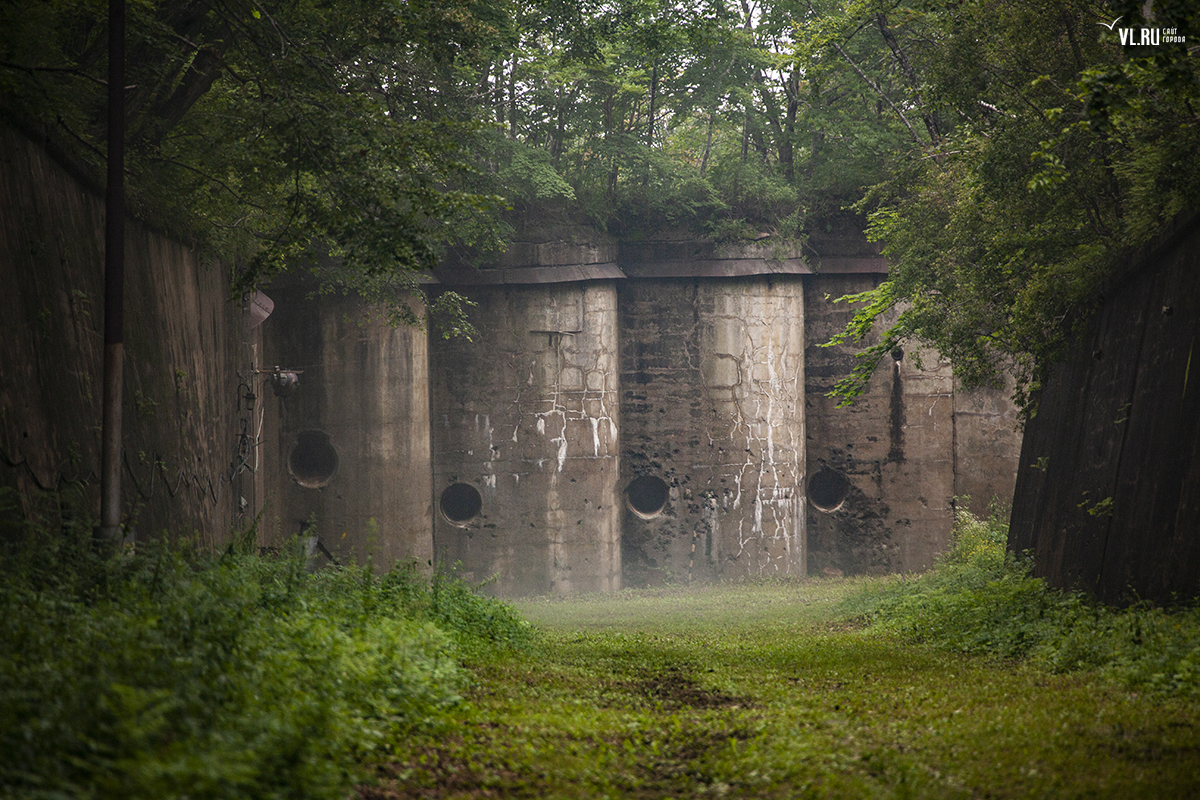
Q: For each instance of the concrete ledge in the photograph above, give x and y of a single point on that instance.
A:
(716, 268)
(741, 267)
(861, 265)
(466, 276)
(582, 254)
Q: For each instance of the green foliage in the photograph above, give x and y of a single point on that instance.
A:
(530, 175)
(276, 134)
(384, 132)
(166, 673)
(1058, 151)
(1006, 153)
(981, 599)
(879, 301)
(659, 115)
(978, 599)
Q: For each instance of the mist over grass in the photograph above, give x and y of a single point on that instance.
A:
(972, 680)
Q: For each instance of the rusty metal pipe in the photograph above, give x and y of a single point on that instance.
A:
(114, 283)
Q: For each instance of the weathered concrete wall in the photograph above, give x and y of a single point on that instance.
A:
(541, 254)
(883, 472)
(655, 410)
(525, 430)
(1108, 493)
(349, 448)
(184, 419)
(712, 407)
(987, 446)
(718, 452)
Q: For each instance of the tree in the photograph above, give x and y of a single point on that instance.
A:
(1056, 149)
(384, 130)
(646, 114)
(275, 132)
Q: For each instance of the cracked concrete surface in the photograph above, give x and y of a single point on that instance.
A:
(911, 444)
(712, 403)
(529, 416)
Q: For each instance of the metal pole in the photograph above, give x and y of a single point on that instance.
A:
(114, 282)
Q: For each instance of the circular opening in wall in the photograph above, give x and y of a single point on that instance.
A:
(827, 489)
(647, 495)
(313, 461)
(460, 503)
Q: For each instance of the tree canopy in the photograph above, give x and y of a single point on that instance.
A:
(1057, 150)
(1002, 152)
(273, 132)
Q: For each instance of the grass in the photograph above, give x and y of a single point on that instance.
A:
(824, 688)
(981, 599)
(169, 673)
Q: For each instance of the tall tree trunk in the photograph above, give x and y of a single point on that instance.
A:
(512, 99)
(784, 129)
(748, 27)
(899, 112)
(707, 145)
(746, 134)
(786, 152)
(498, 93)
(556, 147)
(928, 116)
(653, 98)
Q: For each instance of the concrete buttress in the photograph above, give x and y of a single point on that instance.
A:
(712, 405)
(526, 456)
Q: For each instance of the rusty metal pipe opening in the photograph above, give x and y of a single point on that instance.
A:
(313, 461)
(647, 496)
(460, 503)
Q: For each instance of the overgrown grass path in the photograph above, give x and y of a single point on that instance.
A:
(769, 691)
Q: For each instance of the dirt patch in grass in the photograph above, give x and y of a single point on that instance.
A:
(461, 767)
(675, 688)
(1170, 742)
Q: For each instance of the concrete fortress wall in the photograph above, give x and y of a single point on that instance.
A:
(526, 431)
(349, 448)
(209, 446)
(188, 449)
(627, 415)
(726, 460)
(884, 472)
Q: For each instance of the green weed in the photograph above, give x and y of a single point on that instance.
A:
(167, 673)
(766, 690)
(981, 599)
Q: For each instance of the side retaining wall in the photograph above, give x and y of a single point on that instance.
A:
(184, 417)
(1108, 492)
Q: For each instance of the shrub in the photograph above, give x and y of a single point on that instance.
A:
(981, 599)
(167, 673)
